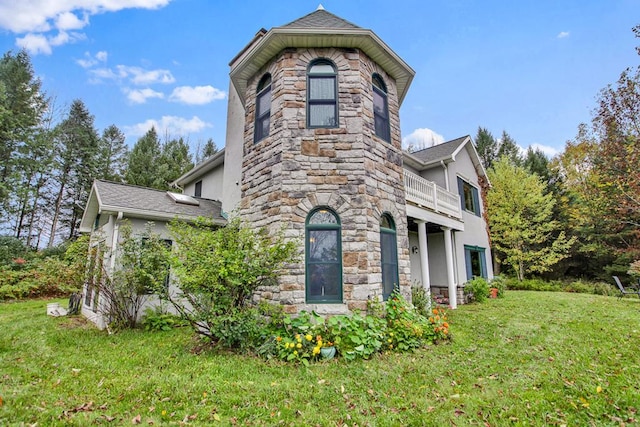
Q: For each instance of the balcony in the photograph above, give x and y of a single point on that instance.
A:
(427, 194)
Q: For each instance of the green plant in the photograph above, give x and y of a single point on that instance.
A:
(420, 300)
(500, 284)
(219, 269)
(477, 289)
(157, 319)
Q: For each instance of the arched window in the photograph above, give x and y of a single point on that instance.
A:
(389, 255)
(263, 108)
(381, 108)
(323, 256)
(322, 95)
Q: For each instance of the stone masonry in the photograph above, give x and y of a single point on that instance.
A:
(348, 169)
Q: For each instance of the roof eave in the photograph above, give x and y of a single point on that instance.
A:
(279, 38)
(200, 169)
(155, 215)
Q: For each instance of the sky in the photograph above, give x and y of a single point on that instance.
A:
(532, 68)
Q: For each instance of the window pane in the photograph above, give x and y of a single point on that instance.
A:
(264, 102)
(262, 128)
(389, 279)
(324, 280)
(385, 222)
(322, 68)
(382, 127)
(323, 245)
(476, 270)
(322, 115)
(379, 104)
(322, 88)
(323, 216)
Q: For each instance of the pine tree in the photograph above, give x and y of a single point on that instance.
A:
(144, 160)
(509, 149)
(77, 165)
(114, 155)
(487, 147)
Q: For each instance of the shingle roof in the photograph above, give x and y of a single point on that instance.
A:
(440, 151)
(320, 19)
(131, 198)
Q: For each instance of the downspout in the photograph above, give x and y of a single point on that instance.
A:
(114, 242)
(446, 174)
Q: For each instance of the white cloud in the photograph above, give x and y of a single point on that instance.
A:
(563, 34)
(34, 44)
(134, 75)
(70, 21)
(89, 61)
(549, 151)
(196, 95)
(171, 125)
(35, 18)
(140, 96)
(421, 138)
(39, 43)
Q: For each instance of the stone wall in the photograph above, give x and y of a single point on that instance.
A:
(348, 169)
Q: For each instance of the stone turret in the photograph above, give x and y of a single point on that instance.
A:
(310, 139)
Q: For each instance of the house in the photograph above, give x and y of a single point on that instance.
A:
(109, 205)
(313, 142)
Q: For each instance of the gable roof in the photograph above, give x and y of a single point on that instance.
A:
(316, 30)
(445, 153)
(140, 202)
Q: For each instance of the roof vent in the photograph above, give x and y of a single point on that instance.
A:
(183, 199)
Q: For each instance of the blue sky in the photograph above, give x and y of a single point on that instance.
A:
(532, 68)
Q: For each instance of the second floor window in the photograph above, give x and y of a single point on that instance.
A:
(263, 108)
(469, 197)
(381, 108)
(322, 95)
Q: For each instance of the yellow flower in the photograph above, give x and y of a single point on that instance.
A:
(299, 345)
(316, 350)
(308, 337)
(295, 352)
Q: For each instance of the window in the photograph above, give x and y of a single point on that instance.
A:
(469, 197)
(150, 259)
(389, 255)
(263, 108)
(198, 191)
(323, 257)
(381, 108)
(475, 262)
(322, 99)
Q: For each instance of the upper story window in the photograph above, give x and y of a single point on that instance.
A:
(381, 108)
(388, 255)
(263, 108)
(322, 95)
(323, 256)
(469, 197)
(197, 192)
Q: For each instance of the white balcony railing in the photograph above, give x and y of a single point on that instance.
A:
(427, 194)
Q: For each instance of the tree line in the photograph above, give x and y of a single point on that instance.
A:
(50, 156)
(577, 214)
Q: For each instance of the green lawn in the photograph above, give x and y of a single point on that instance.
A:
(531, 358)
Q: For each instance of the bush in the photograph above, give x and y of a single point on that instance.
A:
(219, 270)
(477, 289)
(396, 327)
(420, 300)
(157, 319)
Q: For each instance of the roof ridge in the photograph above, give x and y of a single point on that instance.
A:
(126, 184)
(320, 18)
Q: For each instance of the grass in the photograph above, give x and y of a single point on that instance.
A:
(531, 358)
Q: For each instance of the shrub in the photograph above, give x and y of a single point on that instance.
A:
(219, 270)
(477, 289)
(157, 319)
(420, 300)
